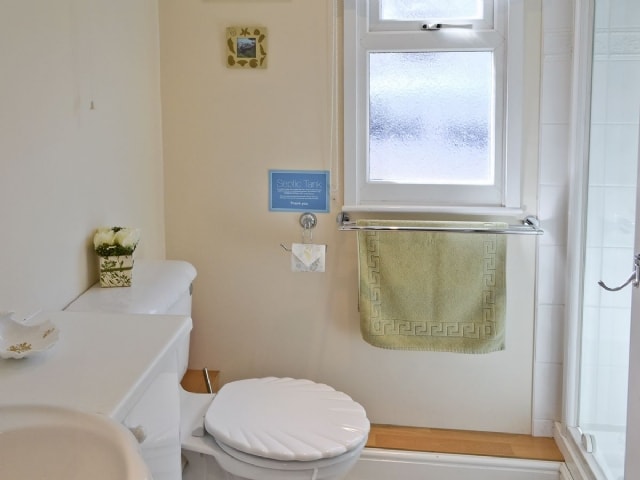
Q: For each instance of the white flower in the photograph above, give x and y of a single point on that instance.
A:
(115, 241)
(104, 236)
(128, 237)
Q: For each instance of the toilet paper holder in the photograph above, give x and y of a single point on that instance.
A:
(308, 222)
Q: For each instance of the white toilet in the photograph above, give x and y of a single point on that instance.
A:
(258, 429)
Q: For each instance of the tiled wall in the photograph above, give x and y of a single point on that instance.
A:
(611, 211)
(611, 217)
(552, 209)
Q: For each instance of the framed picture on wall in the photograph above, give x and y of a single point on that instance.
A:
(246, 47)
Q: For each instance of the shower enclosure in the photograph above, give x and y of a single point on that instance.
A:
(605, 237)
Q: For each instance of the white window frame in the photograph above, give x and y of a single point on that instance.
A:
(376, 24)
(364, 32)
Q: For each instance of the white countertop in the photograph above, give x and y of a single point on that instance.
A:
(102, 362)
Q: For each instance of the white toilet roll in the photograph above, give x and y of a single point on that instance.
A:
(307, 257)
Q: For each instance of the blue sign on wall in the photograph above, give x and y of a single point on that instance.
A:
(299, 191)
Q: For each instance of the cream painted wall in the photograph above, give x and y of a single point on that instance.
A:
(223, 130)
(65, 168)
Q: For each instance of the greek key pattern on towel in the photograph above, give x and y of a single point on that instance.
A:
(489, 291)
(479, 329)
(373, 269)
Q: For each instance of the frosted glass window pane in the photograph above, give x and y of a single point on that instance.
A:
(430, 118)
(430, 9)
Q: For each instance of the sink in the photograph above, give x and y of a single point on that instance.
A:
(55, 443)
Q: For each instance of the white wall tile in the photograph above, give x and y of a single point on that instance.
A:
(621, 153)
(557, 14)
(595, 216)
(601, 45)
(550, 334)
(599, 79)
(624, 43)
(552, 214)
(624, 14)
(619, 221)
(551, 275)
(592, 275)
(623, 94)
(590, 335)
(613, 335)
(557, 42)
(554, 154)
(548, 391)
(602, 11)
(588, 393)
(611, 395)
(597, 153)
(556, 85)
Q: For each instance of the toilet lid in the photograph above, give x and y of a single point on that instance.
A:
(286, 419)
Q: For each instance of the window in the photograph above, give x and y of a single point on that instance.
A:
(427, 117)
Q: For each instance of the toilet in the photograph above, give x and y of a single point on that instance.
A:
(255, 429)
(158, 287)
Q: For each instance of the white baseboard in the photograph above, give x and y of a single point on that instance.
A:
(542, 428)
(380, 464)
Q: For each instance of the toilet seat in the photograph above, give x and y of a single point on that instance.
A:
(285, 419)
(280, 465)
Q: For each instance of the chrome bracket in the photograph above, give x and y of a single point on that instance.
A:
(308, 220)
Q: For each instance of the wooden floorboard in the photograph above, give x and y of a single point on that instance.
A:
(194, 381)
(431, 439)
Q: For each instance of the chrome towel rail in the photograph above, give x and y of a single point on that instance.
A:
(530, 226)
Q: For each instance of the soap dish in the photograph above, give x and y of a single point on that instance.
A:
(18, 340)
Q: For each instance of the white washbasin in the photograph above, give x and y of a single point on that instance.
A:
(52, 443)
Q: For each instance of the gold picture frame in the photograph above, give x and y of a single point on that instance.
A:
(247, 47)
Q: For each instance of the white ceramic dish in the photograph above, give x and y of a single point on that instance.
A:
(18, 340)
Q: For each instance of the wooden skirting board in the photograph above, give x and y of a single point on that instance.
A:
(434, 440)
(463, 442)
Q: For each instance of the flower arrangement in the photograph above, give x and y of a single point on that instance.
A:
(115, 247)
(115, 241)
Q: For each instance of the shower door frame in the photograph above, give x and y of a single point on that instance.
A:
(581, 464)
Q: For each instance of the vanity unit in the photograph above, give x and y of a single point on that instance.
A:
(121, 366)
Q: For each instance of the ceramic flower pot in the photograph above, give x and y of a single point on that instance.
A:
(116, 271)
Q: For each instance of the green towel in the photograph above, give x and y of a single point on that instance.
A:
(435, 291)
